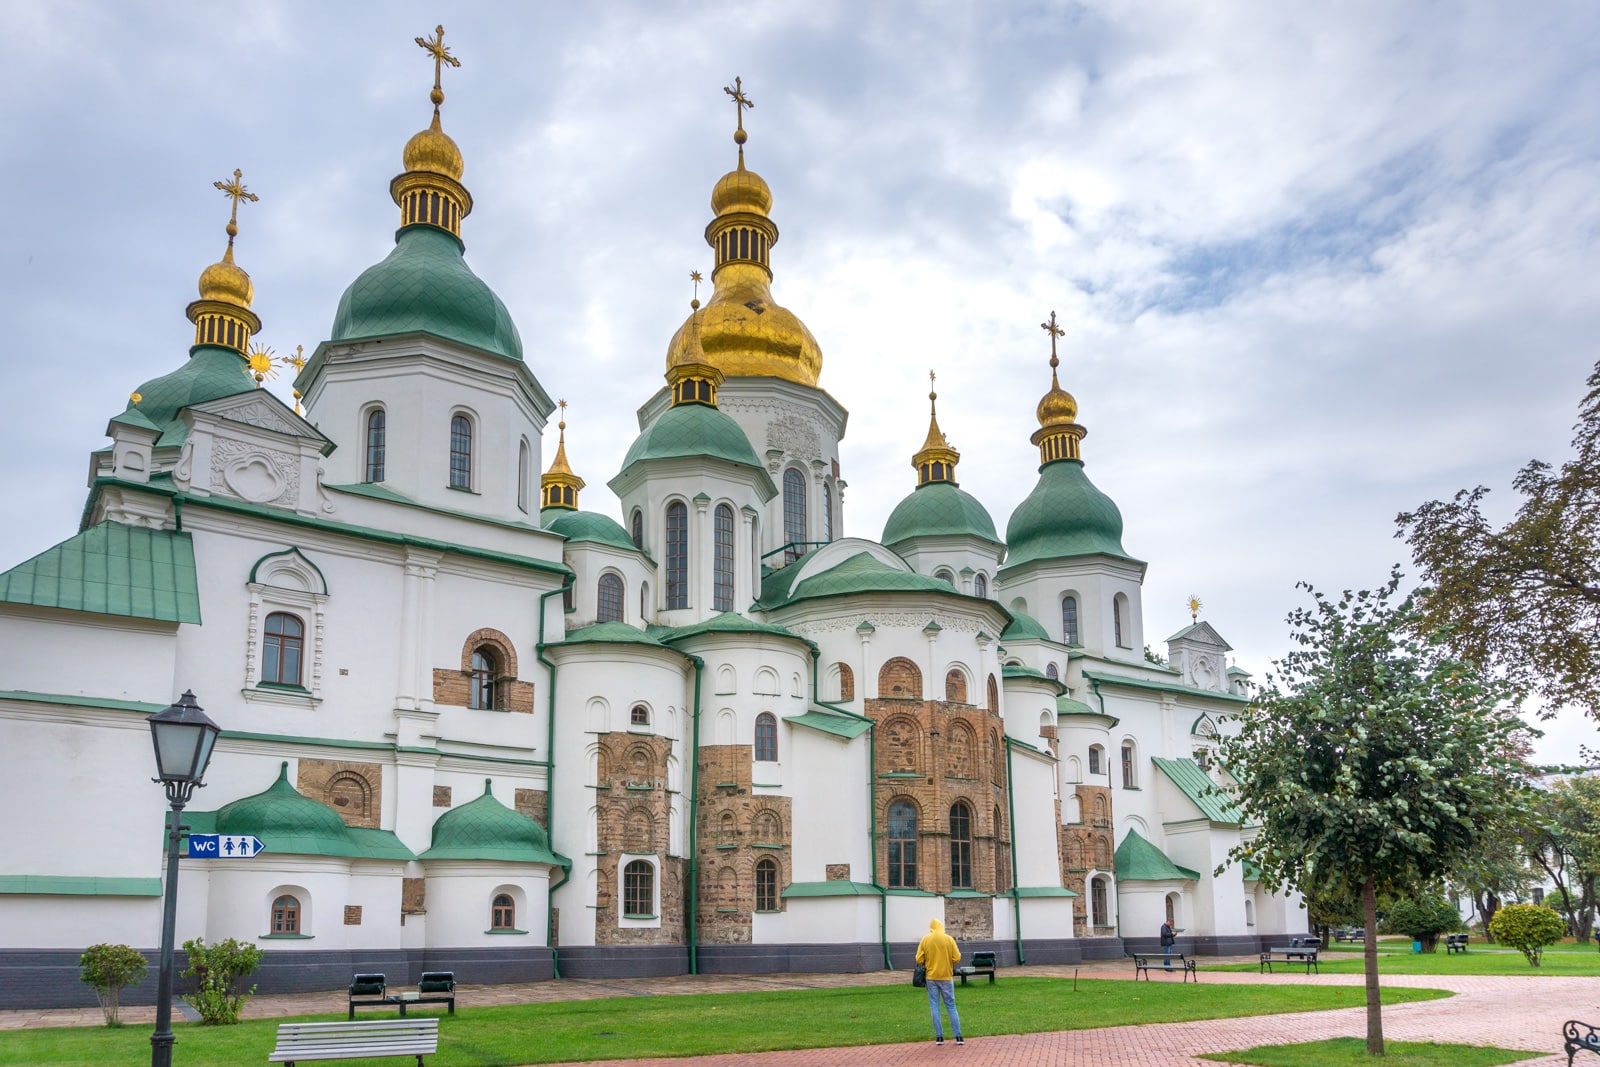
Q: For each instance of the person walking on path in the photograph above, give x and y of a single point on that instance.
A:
(1167, 939)
(939, 954)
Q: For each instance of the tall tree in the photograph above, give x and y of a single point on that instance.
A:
(1372, 759)
(1565, 843)
(1524, 598)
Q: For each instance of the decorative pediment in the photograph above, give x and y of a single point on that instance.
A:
(262, 410)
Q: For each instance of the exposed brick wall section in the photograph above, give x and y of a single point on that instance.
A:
(535, 804)
(955, 687)
(634, 809)
(838, 872)
(900, 679)
(352, 914)
(735, 832)
(969, 918)
(413, 896)
(441, 796)
(354, 790)
(1087, 845)
(454, 689)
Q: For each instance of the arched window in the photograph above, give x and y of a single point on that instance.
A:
(636, 528)
(767, 885)
(460, 452)
(524, 463)
(485, 674)
(902, 838)
(377, 428)
(281, 649)
(827, 511)
(639, 716)
(1052, 672)
(794, 514)
(1096, 755)
(677, 555)
(847, 683)
(767, 737)
(1097, 903)
(286, 915)
(1119, 620)
(960, 846)
(1002, 855)
(503, 913)
(994, 696)
(900, 679)
(946, 576)
(722, 561)
(608, 602)
(638, 890)
(1129, 780)
(1069, 620)
(955, 687)
(1172, 908)
(980, 586)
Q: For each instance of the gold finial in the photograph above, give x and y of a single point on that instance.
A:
(1194, 608)
(694, 276)
(260, 365)
(936, 460)
(135, 397)
(235, 191)
(562, 425)
(559, 486)
(740, 102)
(435, 47)
(297, 396)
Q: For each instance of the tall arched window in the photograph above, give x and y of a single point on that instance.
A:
(644, 601)
(960, 846)
(524, 465)
(1002, 855)
(286, 915)
(902, 838)
(608, 599)
(503, 913)
(767, 737)
(281, 649)
(827, 511)
(636, 528)
(638, 890)
(485, 672)
(994, 696)
(377, 428)
(1096, 755)
(460, 452)
(980, 586)
(722, 559)
(847, 682)
(1119, 620)
(767, 885)
(677, 555)
(1097, 903)
(955, 687)
(1129, 780)
(794, 514)
(1069, 620)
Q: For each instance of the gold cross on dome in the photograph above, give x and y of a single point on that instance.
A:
(697, 278)
(235, 190)
(436, 48)
(297, 361)
(1054, 331)
(740, 101)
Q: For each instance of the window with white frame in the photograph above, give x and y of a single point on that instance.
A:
(287, 602)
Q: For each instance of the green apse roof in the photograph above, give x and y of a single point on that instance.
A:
(938, 509)
(693, 431)
(425, 286)
(609, 633)
(287, 821)
(1201, 790)
(1019, 670)
(1024, 627)
(111, 569)
(210, 374)
(1137, 860)
(586, 526)
(1065, 515)
(728, 622)
(486, 829)
(861, 573)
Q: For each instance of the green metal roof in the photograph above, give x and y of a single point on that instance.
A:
(1018, 670)
(134, 417)
(694, 431)
(61, 885)
(609, 633)
(111, 569)
(1064, 516)
(939, 509)
(211, 373)
(1138, 860)
(587, 526)
(1065, 705)
(1163, 687)
(1201, 790)
(1024, 627)
(486, 829)
(861, 573)
(425, 286)
(1043, 891)
(829, 723)
(831, 889)
(287, 821)
(729, 622)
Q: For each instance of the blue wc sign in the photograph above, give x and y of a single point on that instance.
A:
(224, 846)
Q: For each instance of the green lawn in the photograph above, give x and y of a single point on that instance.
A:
(1352, 1050)
(729, 1022)
(1395, 957)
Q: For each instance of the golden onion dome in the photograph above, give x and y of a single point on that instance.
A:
(742, 333)
(433, 152)
(225, 281)
(741, 190)
(1057, 406)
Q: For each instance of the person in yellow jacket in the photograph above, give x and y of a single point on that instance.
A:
(939, 954)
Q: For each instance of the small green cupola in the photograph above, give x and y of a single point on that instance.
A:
(937, 507)
(486, 829)
(287, 820)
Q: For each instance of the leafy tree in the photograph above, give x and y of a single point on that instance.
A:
(1565, 843)
(1423, 919)
(108, 968)
(1524, 598)
(1371, 759)
(219, 972)
(1528, 928)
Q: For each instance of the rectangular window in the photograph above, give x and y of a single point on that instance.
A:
(638, 889)
(1127, 767)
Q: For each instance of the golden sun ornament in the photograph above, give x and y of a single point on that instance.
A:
(1194, 607)
(262, 367)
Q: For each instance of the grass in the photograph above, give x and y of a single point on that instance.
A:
(699, 1025)
(1395, 957)
(1343, 1050)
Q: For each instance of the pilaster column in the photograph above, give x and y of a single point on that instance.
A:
(868, 683)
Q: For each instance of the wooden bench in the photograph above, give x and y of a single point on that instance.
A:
(982, 963)
(1455, 943)
(368, 991)
(299, 1042)
(1580, 1036)
(435, 987)
(1306, 954)
(1185, 964)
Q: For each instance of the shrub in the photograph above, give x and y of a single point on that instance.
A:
(1423, 919)
(108, 968)
(219, 972)
(1528, 928)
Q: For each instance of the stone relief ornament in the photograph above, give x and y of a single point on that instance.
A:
(897, 619)
(183, 472)
(797, 436)
(254, 474)
(260, 415)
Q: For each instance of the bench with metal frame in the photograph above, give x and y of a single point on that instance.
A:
(435, 987)
(1580, 1036)
(1455, 943)
(1306, 954)
(368, 991)
(1176, 962)
(982, 963)
(306, 1042)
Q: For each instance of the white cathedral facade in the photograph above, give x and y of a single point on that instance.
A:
(480, 728)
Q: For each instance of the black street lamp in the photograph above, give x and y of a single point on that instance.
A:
(183, 738)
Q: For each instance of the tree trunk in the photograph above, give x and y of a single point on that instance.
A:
(1369, 913)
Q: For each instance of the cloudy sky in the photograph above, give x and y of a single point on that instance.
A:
(1316, 263)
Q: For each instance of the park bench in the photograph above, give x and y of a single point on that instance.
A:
(1306, 954)
(1176, 962)
(1455, 943)
(1349, 935)
(982, 963)
(304, 1042)
(367, 991)
(435, 987)
(1580, 1036)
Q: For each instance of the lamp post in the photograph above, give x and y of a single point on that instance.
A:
(183, 738)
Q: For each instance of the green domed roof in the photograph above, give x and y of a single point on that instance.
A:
(486, 829)
(286, 820)
(425, 286)
(938, 509)
(693, 431)
(1024, 627)
(211, 373)
(586, 526)
(861, 573)
(1065, 515)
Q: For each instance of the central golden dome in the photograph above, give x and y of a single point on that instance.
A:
(433, 152)
(226, 282)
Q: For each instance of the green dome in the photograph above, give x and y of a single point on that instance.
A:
(1065, 515)
(1024, 627)
(938, 509)
(287, 820)
(425, 286)
(861, 573)
(586, 526)
(486, 829)
(693, 431)
(211, 374)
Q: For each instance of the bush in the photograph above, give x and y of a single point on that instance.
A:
(108, 968)
(1423, 919)
(219, 972)
(1528, 928)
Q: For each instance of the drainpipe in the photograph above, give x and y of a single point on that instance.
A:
(550, 779)
(872, 802)
(694, 821)
(177, 513)
(1011, 805)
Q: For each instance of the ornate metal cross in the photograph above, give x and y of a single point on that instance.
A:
(436, 48)
(234, 190)
(740, 101)
(1054, 331)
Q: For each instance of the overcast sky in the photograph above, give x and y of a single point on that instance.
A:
(1316, 263)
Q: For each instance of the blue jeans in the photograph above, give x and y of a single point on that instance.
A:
(945, 990)
(1166, 956)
